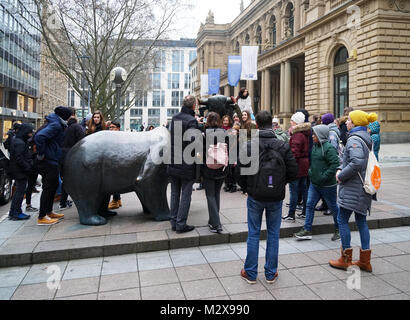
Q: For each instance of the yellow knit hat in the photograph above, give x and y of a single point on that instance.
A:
(361, 118)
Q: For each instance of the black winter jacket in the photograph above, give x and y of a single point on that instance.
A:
(178, 167)
(268, 138)
(73, 133)
(21, 161)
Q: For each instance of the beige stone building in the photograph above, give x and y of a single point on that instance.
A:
(53, 85)
(322, 55)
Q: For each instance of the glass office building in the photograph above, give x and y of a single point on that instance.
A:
(19, 63)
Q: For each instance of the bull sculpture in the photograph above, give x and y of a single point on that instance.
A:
(219, 104)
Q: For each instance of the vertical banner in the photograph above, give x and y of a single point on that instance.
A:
(214, 79)
(204, 85)
(250, 63)
(234, 70)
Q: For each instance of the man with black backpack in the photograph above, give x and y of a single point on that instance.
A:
(266, 192)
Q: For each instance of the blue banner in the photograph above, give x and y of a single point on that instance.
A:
(234, 70)
(214, 78)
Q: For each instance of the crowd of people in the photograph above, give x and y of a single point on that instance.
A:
(320, 160)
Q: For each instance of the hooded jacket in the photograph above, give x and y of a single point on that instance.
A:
(356, 155)
(334, 135)
(50, 139)
(344, 134)
(299, 144)
(325, 160)
(21, 161)
(375, 134)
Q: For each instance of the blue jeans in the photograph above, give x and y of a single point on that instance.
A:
(329, 195)
(299, 185)
(273, 222)
(343, 219)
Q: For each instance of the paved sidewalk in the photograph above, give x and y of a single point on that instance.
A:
(212, 272)
(25, 243)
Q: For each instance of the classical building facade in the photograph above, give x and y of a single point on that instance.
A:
(321, 55)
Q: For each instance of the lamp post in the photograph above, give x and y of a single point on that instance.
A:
(118, 77)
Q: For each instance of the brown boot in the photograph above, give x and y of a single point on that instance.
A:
(364, 263)
(345, 261)
(113, 205)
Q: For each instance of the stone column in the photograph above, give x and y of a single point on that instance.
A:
(268, 91)
(212, 48)
(227, 91)
(262, 88)
(251, 89)
(282, 88)
(288, 87)
(237, 89)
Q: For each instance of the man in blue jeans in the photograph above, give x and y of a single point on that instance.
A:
(266, 192)
(322, 173)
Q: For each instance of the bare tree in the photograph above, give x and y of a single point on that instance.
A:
(87, 39)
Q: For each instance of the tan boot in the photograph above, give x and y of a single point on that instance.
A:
(113, 205)
(345, 261)
(364, 262)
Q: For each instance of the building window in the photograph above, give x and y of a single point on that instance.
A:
(156, 81)
(158, 98)
(136, 113)
(341, 81)
(173, 80)
(135, 124)
(177, 61)
(172, 112)
(192, 55)
(187, 81)
(273, 30)
(154, 112)
(177, 98)
(259, 38)
(160, 62)
(289, 21)
(141, 98)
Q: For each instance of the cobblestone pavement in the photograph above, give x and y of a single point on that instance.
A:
(212, 272)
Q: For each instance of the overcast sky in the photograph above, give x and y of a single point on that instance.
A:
(225, 11)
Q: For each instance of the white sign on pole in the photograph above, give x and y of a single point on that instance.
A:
(250, 63)
(204, 85)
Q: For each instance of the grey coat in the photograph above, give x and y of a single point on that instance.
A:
(351, 193)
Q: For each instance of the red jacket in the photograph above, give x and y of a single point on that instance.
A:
(299, 144)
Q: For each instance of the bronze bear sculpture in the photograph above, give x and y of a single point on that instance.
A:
(118, 162)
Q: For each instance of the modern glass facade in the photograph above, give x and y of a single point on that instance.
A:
(19, 61)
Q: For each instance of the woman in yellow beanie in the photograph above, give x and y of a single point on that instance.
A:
(352, 197)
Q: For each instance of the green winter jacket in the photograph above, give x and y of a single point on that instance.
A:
(324, 160)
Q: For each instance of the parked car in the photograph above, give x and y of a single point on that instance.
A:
(5, 181)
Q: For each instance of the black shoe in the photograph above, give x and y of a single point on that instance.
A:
(299, 207)
(233, 189)
(217, 229)
(227, 188)
(186, 229)
(200, 188)
(301, 215)
(322, 207)
(328, 213)
(289, 218)
(108, 214)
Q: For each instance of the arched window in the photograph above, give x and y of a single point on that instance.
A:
(272, 25)
(341, 81)
(289, 21)
(237, 48)
(259, 38)
(247, 40)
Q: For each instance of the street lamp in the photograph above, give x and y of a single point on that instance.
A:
(118, 76)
